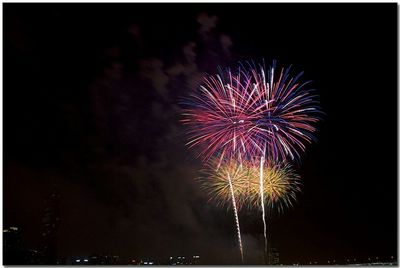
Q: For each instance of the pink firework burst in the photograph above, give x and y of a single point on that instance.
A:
(222, 119)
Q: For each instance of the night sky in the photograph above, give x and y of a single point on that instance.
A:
(91, 107)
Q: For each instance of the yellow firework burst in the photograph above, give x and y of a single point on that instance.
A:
(215, 182)
(281, 184)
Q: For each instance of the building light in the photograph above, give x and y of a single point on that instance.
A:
(14, 228)
(78, 260)
(5, 231)
(85, 260)
(170, 258)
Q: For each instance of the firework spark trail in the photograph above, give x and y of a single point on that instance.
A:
(262, 202)
(236, 216)
(225, 185)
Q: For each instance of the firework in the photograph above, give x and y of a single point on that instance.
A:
(290, 111)
(261, 191)
(279, 185)
(252, 113)
(233, 184)
(225, 183)
(250, 116)
(215, 182)
(223, 119)
(236, 215)
(223, 123)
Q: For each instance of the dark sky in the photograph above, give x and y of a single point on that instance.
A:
(91, 108)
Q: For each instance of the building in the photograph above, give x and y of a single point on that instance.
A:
(273, 256)
(95, 259)
(147, 262)
(12, 237)
(184, 260)
(12, 245)
(196, 260)
(50, 223)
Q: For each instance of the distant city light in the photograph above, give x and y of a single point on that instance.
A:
(78, 260)
(85, 260)
(150, 263)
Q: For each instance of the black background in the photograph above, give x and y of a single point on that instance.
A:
(80, 117)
